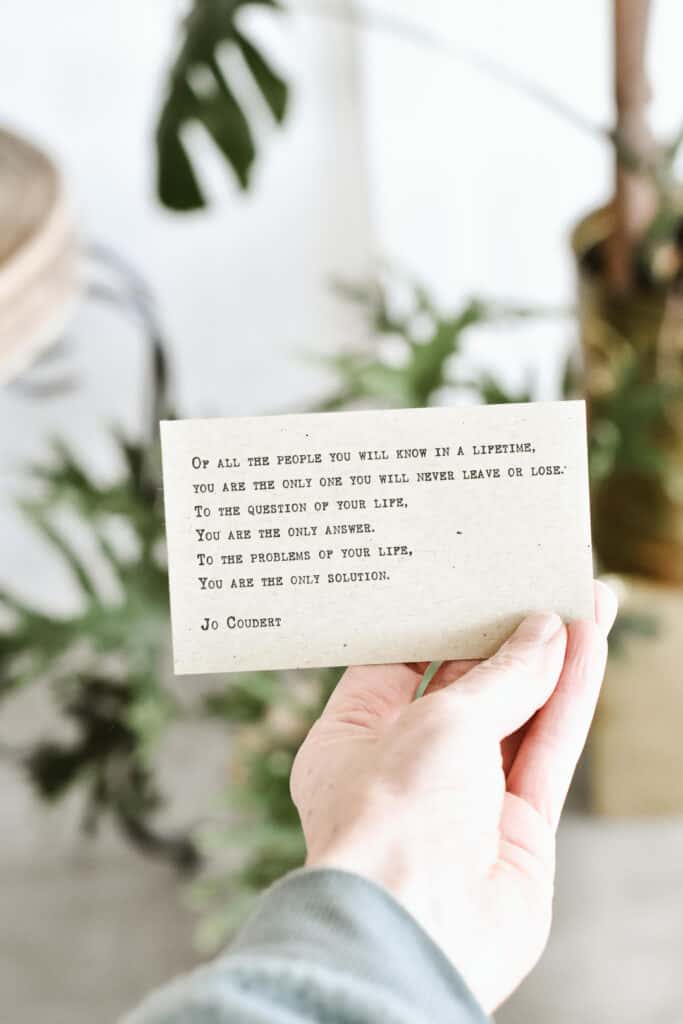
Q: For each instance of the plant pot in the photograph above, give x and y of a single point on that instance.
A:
(632, 365)
(635, 755)
(632, 369)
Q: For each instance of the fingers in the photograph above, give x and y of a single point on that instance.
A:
(509, 747)
(367, 694)
(547, 756)
(449, 673)
(605, 612)
(606, 606)
(512, 685)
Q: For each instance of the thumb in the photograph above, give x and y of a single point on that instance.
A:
(511, 686)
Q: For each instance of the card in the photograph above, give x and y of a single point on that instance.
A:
(369, 537)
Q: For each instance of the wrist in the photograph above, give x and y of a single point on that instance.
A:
(386, 866)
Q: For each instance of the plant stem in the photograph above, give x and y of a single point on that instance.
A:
(635, 194)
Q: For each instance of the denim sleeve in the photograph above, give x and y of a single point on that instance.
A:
(322, 947)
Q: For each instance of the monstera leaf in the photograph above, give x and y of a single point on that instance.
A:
(200, 92)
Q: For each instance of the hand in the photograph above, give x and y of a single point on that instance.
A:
(451, 802)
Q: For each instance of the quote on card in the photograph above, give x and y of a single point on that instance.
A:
(365, 537)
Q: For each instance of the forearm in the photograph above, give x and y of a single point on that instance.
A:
(321, 945)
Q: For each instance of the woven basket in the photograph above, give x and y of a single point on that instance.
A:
(40, 264)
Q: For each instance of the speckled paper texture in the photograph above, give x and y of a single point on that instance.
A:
(368, 537)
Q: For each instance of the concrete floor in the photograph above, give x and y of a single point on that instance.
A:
(86, 930)
(616, 950)
(82, 937)
(88, 926)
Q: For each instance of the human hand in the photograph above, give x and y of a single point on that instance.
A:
(451, 802)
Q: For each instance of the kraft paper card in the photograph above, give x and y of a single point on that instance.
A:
(368, 537)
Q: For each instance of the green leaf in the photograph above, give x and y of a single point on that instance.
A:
(273, 88)
(432, 341)
(177, 186)
(625, 424)
(225, 121)
(200, 93)
(40, 520)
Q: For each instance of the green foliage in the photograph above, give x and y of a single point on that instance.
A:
(261, 836)
(413, 354)
(625, 424)
(105, 662)
(201, 92)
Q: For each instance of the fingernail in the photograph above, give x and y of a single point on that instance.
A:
(538, 628)
(606, 605)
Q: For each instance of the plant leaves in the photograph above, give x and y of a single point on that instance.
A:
(200, 92)
(104, 662)
(273, 88)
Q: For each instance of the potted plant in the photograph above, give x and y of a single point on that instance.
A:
(630, 268)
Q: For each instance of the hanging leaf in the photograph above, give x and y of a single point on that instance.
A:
(200, 92)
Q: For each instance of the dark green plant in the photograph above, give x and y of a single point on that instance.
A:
(426, 344)
(106, 662)
(259, 838)
(200, 92)
(625, 425)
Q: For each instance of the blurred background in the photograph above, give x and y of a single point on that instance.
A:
(225, 208)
